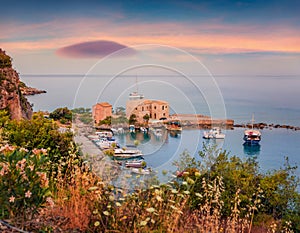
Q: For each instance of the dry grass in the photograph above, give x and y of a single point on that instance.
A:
(88, 205)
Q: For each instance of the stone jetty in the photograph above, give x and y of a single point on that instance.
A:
(202, 121)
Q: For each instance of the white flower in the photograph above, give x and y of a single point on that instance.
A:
(12, 199)
(28, 194)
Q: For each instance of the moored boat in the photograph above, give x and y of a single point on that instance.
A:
(214, 133)
(252, 136)
(123, 153)
(141, 171)
(174, 125)
(136, 163)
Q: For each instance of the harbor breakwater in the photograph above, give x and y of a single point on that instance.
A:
(202, 121)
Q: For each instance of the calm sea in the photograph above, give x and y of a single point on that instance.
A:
(272, 99)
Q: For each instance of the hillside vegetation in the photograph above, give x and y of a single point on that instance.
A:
(45, 186)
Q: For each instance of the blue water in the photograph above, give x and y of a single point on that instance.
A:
(275, 146)
(272, 99)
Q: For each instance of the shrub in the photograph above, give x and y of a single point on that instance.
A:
(23, 182)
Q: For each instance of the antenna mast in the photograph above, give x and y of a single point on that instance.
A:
(136, 83)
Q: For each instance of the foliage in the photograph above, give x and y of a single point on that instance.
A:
(5, 60)
(81, 110)
(106, 121)
(23, 182)
(119, 120)
(132, 119)
(120, 111)
(146, 117)
(278, 197)
(64, 115)
(41, 133)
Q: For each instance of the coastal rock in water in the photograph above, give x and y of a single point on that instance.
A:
(11, 97)
(30, 90)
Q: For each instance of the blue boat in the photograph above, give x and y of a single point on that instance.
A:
(252, 136)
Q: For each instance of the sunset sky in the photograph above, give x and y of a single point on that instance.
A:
(228, 37)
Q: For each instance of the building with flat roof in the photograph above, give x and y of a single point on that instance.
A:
(155, 109)
(100, 111)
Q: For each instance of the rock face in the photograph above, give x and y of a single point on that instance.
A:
(11, 97)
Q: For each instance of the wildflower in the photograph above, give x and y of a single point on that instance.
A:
(36, 151)
(44, 151)
(198, 195)
(106, 213)
(158, 198)
(44, 179)
(174, 191)
(4, 169)
(28, 194)
(124, 217)
(150, 210)
(173, 207)
(143, 223)
(7, 148)
(22, 149)
(21, 164)
(31, 167)
(12, 199)
(50, 201)
(190, 180)
(118, 204)
(197, 174)
(97, 223)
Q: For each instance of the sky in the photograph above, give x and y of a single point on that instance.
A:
(227, 37)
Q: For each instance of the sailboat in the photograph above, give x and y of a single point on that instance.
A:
(252, 136)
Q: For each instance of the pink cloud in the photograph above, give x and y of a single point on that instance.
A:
(95, 49)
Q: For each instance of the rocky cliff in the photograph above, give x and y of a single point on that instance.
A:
(11, 97)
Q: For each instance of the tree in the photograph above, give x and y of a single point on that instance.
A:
(120, 111)
(64, 115)
(146, 118)
(106, 121)
(132, 119)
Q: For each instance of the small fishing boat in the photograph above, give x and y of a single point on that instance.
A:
(214, 133)
(140, 163)
(252, 136)
(158, 132)
(174, 125)
(143, 130)
(131, 128)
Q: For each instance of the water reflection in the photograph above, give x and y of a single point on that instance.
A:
(174, 134)
(251, 150)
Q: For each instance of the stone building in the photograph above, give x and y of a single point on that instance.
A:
(156, 109)
(101, 111)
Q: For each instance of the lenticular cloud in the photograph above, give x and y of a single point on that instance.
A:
(94, 49)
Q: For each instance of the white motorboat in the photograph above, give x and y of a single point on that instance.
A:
(136, 163)
(214, 133)
(123, 153)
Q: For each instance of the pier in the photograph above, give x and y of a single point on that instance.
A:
(202, 121)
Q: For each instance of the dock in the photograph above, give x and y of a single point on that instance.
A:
(202, 121)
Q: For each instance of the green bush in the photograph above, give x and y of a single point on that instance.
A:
(23, 182)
